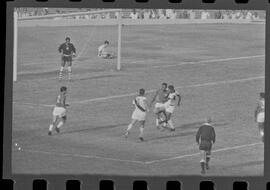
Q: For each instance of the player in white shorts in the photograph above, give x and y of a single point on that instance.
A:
(59, 111)
(139, 114)
(103, 51)
(161, 96)
(171, 104)
(259, 115)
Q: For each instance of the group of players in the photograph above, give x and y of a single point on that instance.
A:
(166, 100)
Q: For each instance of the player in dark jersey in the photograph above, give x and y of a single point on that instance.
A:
(161, 96)
(59, 111)
(205, 137)
(67, 51)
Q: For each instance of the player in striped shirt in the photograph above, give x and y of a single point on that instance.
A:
(139, 114)
(67, 51)
(259, 115)
(59, 111)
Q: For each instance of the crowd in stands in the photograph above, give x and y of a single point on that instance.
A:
(148, 13)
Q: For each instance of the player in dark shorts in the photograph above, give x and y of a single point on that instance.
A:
(67, 51)
(205, 137)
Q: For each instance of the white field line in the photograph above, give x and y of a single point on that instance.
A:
(207, 61)
(172, 65)
(149, 91)
(138, 162)
(196, 154)
(82, 156)
(178, 87)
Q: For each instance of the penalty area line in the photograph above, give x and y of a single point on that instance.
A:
(196, 154)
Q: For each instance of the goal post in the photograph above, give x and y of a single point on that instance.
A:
(53, 17)
(15, 44)
(119, 40)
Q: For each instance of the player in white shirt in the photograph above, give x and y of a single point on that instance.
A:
(103, 51)
(259, 115)
(139, 114)
(174, 100)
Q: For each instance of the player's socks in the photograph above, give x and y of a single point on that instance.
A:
(51, 127)
(61, 73)
(171, 125)
(141, 131)
(202, 167)
(126, 134)
(129, 127)
(69, 73)
(207, 163)
(60, 124)
(157, 122)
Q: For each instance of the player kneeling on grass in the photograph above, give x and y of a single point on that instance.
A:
(205, 137)
(161, 96)
(103, 51)
(59, 111)
(170, 106)
(139, 114)
(259, 115)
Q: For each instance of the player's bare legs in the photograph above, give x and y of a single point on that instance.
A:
(60, 124)
(141, 130)
(169, 121)
(133, 122)
(261, 130)
(61, 70)
(54, 122)
(159, 120)
(208, 157)
(69, 70)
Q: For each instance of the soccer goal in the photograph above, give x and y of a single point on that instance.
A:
(106, 22)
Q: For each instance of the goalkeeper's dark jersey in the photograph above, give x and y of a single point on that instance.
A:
(67, 48)
(206, 133)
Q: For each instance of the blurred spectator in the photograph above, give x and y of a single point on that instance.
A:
(146, 14)
(134, 14)
(205, 15)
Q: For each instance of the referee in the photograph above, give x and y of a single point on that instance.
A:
(205, 137)
(67, 51)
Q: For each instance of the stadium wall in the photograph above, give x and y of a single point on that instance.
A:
(89, 22)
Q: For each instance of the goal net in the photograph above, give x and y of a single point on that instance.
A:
(37, 38)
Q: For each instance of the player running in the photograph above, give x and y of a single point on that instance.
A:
(67, 51)
(174, 99)
(161, 96)
(59, 111)
(139, 114)
(205, 137)
(103, 51)
(259, 115)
